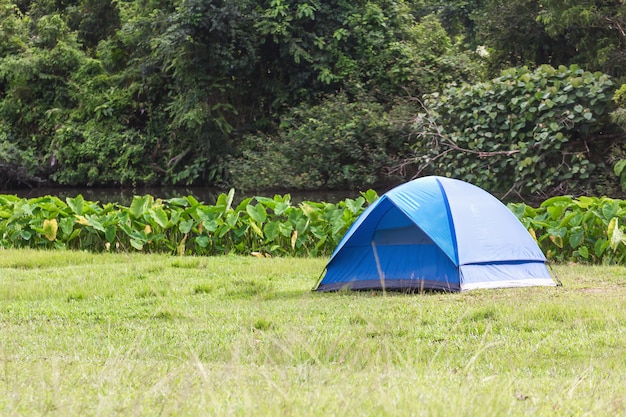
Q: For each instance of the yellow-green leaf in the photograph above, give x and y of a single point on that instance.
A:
(557, 240)
(614, 233)
(50, 228)
(256, 229)
(180, 249)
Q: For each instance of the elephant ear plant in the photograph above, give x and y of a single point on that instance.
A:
(584, 229)
(269, 226)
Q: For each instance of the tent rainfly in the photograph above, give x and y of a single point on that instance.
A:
(436, 233)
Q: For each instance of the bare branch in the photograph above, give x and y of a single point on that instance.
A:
(440, 139)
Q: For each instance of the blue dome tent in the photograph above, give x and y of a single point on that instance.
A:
(436, 233)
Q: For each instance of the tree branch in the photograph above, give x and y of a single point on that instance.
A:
(440, 139)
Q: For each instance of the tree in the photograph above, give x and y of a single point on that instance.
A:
(34, 80)
(590, 34)
(514, 37)
(595, 31)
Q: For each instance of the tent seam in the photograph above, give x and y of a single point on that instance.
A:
(456, 261)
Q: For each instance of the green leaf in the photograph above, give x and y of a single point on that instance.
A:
(185, 226)
(318, 232)
(576, 236)
(110, 233)
(269, 203)
(74, 234)
(178, 201)
(192, 201)
(554, 200)
(308, 209)
(95, 223)
(301, 225)
(258, 212)
(210, 225)
(76, 204)
(223, 230)
(281, 207)
(285, 229)
(271, 230)
(600, 247)
(609, 209)
(160, 216)
(242, 206)
(555, 211)
(175, 217)
(140, 205)
(618, 168)
(137, 244)
(355, 206)
(585, 202)
(558, 231)
(232, 218)
(67, 225)
(203, 241)
(256, 229)
(224, 201)
(576, 219)
(338, 228)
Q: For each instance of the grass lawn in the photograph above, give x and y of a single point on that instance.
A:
(145, 335)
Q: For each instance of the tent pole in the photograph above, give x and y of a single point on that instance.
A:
(381, 274)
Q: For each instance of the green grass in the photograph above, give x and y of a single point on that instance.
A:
(87, 334)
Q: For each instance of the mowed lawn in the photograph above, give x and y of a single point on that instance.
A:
(147, 335)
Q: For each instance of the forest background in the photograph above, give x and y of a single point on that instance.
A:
(525, 98)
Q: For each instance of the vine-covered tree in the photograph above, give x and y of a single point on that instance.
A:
(525, 132)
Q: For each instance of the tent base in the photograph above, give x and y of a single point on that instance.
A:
(537, 282)
(426, 285)
(412, 285)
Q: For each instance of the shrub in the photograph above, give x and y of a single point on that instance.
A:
(337, 144)
(584, 229)
(533, 132)
(258, 225)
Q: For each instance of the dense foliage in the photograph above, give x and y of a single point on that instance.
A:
(179, 225)
(533, 32)
(222, 92)
(584, 229)
(164, 92)
(337, 144)
(526, 131)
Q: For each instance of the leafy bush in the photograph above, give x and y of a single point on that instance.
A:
(337, 144)
(526, 131)
(15, 166)
(181, 226)
(585, 229)
(618, 150)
